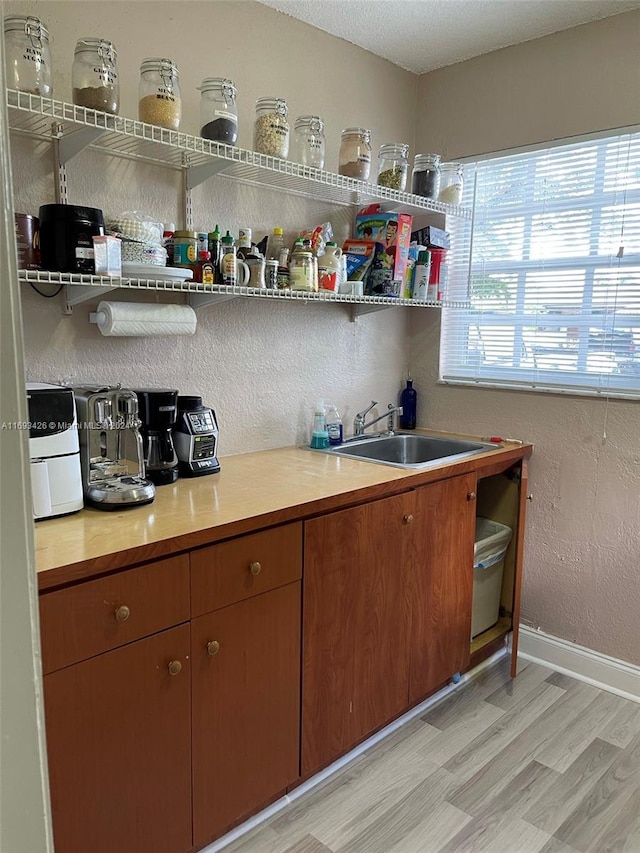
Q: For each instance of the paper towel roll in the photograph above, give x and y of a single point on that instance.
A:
(141, 320)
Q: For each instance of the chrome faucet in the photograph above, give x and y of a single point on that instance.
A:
(359, 424)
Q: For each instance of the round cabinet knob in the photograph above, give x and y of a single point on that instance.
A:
(471, 496)
(175, 667)
(122, 613)
(407, 519)
(255, 568)
(529, 497)
(213, 647)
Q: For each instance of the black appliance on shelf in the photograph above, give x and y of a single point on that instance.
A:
(196, 437)
(66, 237)
(157, 409)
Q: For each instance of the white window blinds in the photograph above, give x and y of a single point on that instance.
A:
(550, 268)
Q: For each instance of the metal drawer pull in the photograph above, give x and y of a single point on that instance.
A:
(213, 647)
(255, 568)
(175, 667)
(407, 519)
(471, 496)
(122, 613)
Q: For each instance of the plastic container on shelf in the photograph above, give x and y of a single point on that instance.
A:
(334, 427)
(94, 75)
(271, 127)
(309, 141)
(27, 55)
(330, 267)
(425, 178)
(160, 99)
(451, 183)
(275, 244)
(218, 110)
(393, 166)
(354, 160)
(491, 543)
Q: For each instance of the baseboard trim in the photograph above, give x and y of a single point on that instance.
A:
(609, 673)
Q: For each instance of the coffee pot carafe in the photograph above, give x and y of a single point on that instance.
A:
(158, 411)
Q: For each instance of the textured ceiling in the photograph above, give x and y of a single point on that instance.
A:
(420, 35)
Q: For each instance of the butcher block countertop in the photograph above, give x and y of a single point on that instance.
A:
(252, 491)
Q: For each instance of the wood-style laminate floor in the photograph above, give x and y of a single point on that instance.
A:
(541, 764)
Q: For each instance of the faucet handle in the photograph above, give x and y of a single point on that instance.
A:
(367, 410)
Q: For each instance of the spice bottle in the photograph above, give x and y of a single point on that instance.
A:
(218, 111)
(283, 269)
(354, 160)
(451, 183)
(94, 75)
(425, 178)
(27, 55)
(271, 127)
(309, 142)
(160, 100)
(393, 166)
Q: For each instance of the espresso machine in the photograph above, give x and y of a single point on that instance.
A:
(111, 454)
(158, 410)
(196, 437)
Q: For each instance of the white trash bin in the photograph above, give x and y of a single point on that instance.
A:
(492, 541)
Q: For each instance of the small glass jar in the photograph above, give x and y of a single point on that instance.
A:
(218, 111)
(94, 75)
(301, 271)
(185, 248)
(27, 55)
(160, 100)
(451, 183)
(393, 166)
(425, 178)
(271, 127)
(308, 141)
(354, 160)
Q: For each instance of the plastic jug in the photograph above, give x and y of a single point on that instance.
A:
(329, 267)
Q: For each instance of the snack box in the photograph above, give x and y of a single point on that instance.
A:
(432, 238)
(390, 229)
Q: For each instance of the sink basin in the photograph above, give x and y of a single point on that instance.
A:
(409, 450)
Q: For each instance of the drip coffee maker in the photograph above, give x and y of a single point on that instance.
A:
(158, 411)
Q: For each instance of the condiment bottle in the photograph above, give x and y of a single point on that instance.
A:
(275, 244)
(94, 75)
(218, 111)
(203, 270)
(355, 153)
(228, 260)
(329, 267)
(160, 100)
(27, 55)
(283, 269)
(215, 249)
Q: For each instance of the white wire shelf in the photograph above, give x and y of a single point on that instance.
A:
(81, 288)
(75, 128)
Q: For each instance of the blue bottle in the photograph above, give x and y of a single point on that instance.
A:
(409, 403)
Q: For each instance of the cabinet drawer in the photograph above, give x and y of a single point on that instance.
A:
(93, 617)
(249, 565)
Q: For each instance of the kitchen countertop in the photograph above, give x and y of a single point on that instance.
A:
(252, 491)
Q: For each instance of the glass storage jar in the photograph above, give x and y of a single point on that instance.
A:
(218, 111)
(393, 166)
(425, 178)
(27, 55)
(160, 100)
(451, 183)
(271, 127)
(301, 271)
(308, 141)
(94, 75)
(354, 160)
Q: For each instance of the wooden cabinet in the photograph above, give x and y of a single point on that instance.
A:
(118, 740)
(356, 625)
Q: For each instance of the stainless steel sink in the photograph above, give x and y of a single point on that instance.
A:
(410, 450)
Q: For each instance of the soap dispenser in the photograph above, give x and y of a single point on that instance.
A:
(319, 435)
(409, 403)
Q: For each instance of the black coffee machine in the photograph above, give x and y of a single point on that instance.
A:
(196, 437)
(157, 409)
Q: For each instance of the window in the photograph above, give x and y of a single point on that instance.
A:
(550, 271)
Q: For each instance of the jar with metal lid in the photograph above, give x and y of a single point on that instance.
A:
(301, 271)
(309, 141)
(160, 99)
(27, 55)
(271, 127)
(393, 166)
(218, 111)
(425, 178)
(451, 183)
(185, 248)
(94, 75)
(354, 160)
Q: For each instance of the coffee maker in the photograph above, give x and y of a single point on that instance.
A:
(158, 409)
(111, 456)
(196, 437)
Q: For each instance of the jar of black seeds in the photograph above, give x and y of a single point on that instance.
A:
(425, 179)
(218, 111)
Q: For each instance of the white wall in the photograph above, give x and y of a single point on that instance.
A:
(261, 365)
(583, 538)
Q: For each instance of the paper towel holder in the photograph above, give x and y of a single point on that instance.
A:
(106, 318)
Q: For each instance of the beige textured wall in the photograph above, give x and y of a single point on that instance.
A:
(262, 366)
(583, 539)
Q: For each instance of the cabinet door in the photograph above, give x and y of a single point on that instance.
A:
(442, 582)
(246, 708)
(355, 630)
(118, 740)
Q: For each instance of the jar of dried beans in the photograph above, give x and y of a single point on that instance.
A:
(271, 127)
(95, 75)
(354, 160)
(160, 100)
(27, 55)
